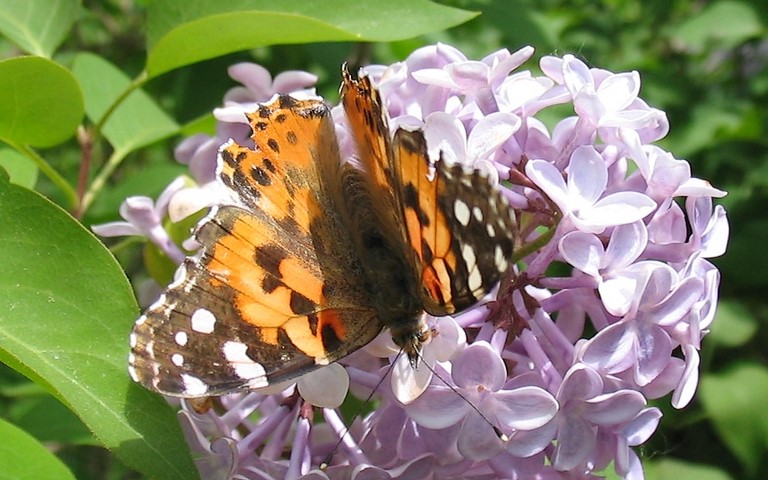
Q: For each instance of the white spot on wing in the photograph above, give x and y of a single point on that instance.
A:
(193, 386)
(491, 231)
(468, 253)
(132, 373)
(475, 281)
(501, 261)
(461, 211)
(133, 340)
(203, 321)
(243, 365)
(177, 359)
(181, 338)
(178, 277)
(189, 285)
(477, 213)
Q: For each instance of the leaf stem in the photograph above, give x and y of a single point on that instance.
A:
(137, 83)
(86, 147)
(53, 175)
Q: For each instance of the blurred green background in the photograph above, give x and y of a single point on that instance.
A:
(703, 62)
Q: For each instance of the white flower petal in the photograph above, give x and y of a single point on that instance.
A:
(490, 133)
(409, 383)
(325, 387)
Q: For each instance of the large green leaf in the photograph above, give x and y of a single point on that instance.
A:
(735, 400)
(40, 102)
(724, 24)
(38, 26)
(138, 121)
(181, 32)
(670, 468)
(66, 310)
(48, 420)
(21, 169)
(24, 457)
(734, 325)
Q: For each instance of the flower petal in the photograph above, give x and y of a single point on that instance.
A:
(575, 442)
(479, 365)
(524, 408)
(325, 387)
(477, 441)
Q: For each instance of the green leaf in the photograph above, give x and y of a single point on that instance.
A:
(21, 169)
(722, 25)
(48, 420)
(669, 468)
(734, 325)
(66, 310)
(24, 457)
(735, 400)
(181, 32)
(40, 102)
(138, 121)
(38, 26)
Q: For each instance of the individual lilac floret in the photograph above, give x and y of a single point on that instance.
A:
(547, 378)
(446, 339)
(144, 217)
(479, 376)
(583, 409)
(582, 199)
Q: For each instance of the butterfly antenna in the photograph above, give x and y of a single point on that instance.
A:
(501, 435)
(327, 460)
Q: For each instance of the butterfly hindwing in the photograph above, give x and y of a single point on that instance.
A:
(269, 296)
(458, 225)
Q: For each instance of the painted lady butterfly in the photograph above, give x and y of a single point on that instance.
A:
(314, 256)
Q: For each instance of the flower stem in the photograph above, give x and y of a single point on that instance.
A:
(118, 155)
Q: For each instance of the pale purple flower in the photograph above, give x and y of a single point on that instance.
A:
(447, 139)
(640, 340)
(144, 217)
(259, 86)
(479, 375)
(581, 198)
(611, 266)
(584, 407)
(560, 367)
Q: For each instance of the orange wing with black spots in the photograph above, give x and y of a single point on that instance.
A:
(273, 292)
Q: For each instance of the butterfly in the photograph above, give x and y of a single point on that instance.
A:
(314, 255)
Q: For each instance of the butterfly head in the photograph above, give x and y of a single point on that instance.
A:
(410, 337)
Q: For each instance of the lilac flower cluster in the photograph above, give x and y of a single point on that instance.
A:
(605, 310)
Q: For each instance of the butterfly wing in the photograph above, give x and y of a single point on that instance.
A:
(459, 226)
(455, 226)
(275, 290)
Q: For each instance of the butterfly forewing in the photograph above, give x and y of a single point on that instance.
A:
(273, 292)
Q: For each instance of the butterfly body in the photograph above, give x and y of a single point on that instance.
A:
(312, 256)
